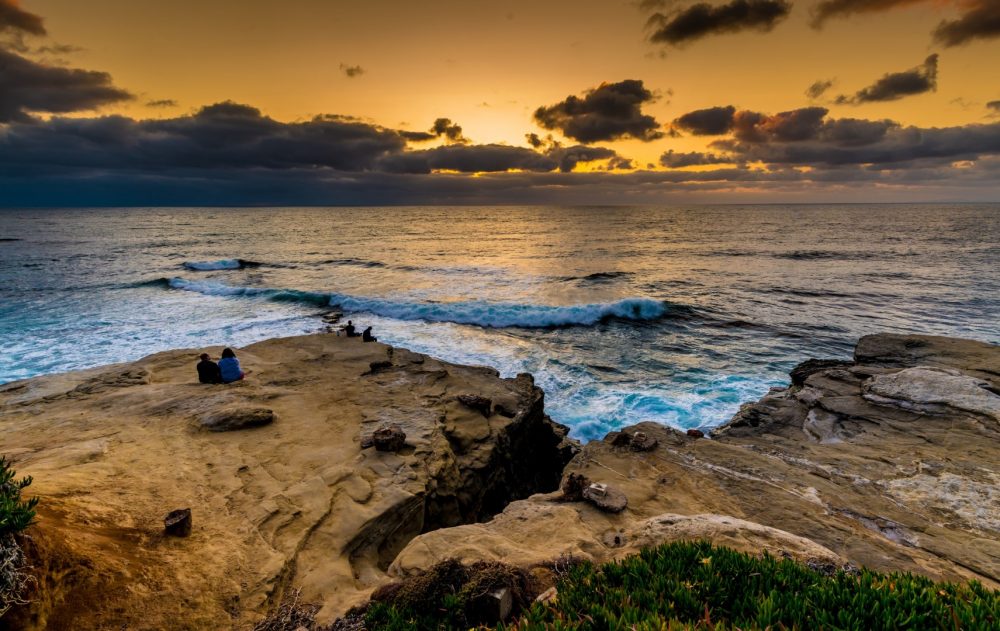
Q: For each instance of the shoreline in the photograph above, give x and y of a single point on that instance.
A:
(846, 465)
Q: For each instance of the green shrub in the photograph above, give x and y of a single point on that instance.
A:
(697, 585)
(15, 514)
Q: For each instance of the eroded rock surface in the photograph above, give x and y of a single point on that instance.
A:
(891, 461)
(294, 503)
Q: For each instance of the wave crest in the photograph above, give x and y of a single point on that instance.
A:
(473, 312)
(223, 264)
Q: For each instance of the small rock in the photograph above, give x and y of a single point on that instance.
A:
(643, 442)
(389, 438)
(607, 499)
(367, 441)
(573, 487)
(237, 418)
(178, 523)
(499, 605)
(695, 433)
(476, 402)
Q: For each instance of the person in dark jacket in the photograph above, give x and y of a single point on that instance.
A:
(367, 336)
(208, 370)
(229, 367)
(350, 330)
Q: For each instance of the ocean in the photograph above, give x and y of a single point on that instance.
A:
(623, 314)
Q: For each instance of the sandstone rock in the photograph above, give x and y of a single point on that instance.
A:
(178, 523)
(298, 494)
(476, 402)
(389, 438)
(379, 366)
(800, 373)
(641, 441)
(695, 433)
(232, 419)
(573, 487)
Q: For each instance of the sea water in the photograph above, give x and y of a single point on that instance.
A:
(623, 314)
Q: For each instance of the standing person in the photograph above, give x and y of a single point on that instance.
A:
(208, 370)
(229, 367)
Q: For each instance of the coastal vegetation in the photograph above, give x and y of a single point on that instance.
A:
(696, 585)
(16, 514)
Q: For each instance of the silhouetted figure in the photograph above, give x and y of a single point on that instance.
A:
(208, 370)
(229, 367)
(367, 336)
(350, 330)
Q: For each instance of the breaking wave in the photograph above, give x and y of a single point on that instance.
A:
(224, 264)
(474, 312)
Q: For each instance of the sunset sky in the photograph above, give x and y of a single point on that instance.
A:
(327, 102)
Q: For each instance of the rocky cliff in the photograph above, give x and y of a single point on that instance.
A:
(891, 461)
(282, 490)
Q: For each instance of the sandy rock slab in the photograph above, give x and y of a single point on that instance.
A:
(282, 495)
(889, 461)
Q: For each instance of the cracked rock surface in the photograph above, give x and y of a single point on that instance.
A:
(890, 461)
(293, 503)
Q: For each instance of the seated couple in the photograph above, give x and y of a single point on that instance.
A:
(366, 336)
(226, 371)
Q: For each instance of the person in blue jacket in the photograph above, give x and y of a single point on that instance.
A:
(229, 367)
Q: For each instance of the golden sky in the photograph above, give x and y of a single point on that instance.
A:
(489, 66)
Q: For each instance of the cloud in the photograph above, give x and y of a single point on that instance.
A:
(15, 19)
(993, 105)
(352, 71)
(607, 112)
(712, 121)
(442, 127)
(895, 85)
(843, 8)
(700, 20)
(819, 88)
(675, 160)
(27, 86)
(981, 21)
(161, 103)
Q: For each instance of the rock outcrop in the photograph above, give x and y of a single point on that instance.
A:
(891, 461)
(282, 493)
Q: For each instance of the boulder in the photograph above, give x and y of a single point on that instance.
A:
(232, 419)
(177, 523)
(389, 438)
(695, 433)
(606, 498)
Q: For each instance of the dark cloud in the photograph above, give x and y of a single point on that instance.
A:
(534, 140)
(15, 19)
(993, 105)
(28, 86)
(608, 112)
(981, 21)
(442, 128)
(352, 71)
(161, 103)
(712, 121)
(569, 157)
(843, 8)
(468, 159)
(695, 22)
(896, 85)
(677, 160)
(819, 88)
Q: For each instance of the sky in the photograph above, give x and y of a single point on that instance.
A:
(131, 102)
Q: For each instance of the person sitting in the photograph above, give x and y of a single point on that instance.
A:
(229, 367)
(367, 336)
(208, 370)
(350, 330)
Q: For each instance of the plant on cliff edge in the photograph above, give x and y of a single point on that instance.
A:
(16, 515)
